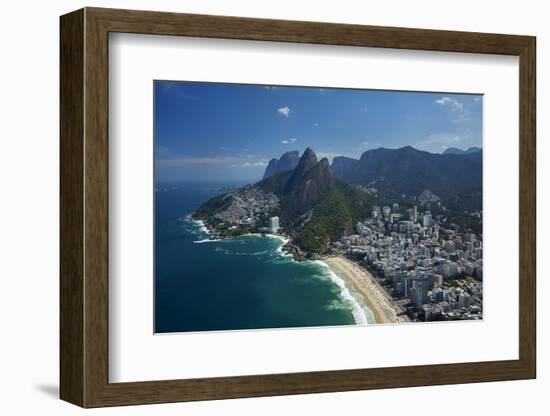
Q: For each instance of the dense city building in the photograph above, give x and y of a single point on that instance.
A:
(433, 272)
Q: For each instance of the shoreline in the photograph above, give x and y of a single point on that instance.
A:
(355, 279)
(362, 282)
(206, 228)
(359, 309)
(346, 293)
(281, 238)
(201, 223)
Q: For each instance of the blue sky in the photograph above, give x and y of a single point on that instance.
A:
(228, 132)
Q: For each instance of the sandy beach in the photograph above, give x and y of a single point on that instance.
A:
(364, 283)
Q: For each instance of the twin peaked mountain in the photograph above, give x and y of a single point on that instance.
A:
(302, 186)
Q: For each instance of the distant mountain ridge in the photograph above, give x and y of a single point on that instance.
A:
(410, 171)
(343, 164)
(456, 151)
(288, 161)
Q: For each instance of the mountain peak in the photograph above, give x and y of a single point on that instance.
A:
(322, 173)
(288, 161)
(309, 182)
(308, 154)
(408, 148)
(473, 149)
(324, 163)
(290, 153)
(453, 151)
(307, 161)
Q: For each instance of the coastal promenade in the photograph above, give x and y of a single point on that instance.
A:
(366, 285)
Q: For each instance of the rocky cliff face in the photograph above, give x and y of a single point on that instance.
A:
(288, 161)
(307, 162)
(309, 184)
(342, 165)
(271, 168)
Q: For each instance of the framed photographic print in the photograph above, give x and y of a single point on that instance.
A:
(260, 207)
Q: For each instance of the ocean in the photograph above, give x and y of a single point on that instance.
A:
(239, 283)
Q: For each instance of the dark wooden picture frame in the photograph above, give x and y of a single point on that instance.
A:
(84, 207)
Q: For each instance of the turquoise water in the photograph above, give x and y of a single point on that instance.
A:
(239, 283)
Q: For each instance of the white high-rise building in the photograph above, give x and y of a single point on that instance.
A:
(273, 224)
(428, 220)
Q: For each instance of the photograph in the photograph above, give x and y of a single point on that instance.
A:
(297, 206)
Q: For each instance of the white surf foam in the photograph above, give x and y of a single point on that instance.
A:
(278, 237)
(360, 311)
(281, 253)
(202, 226)
(284, 240)
(206, 240)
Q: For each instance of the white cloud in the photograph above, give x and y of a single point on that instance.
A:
(271, 87)
(248, 164)
(442, 139)
(364, 145)
(284, 111)
(289, 141)
(260, 163)
(462, 118)
(192, 161)
(452, 103)
(328, 155)
(315, 124)
(477, 99)
(214, 161)
(177, 89)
